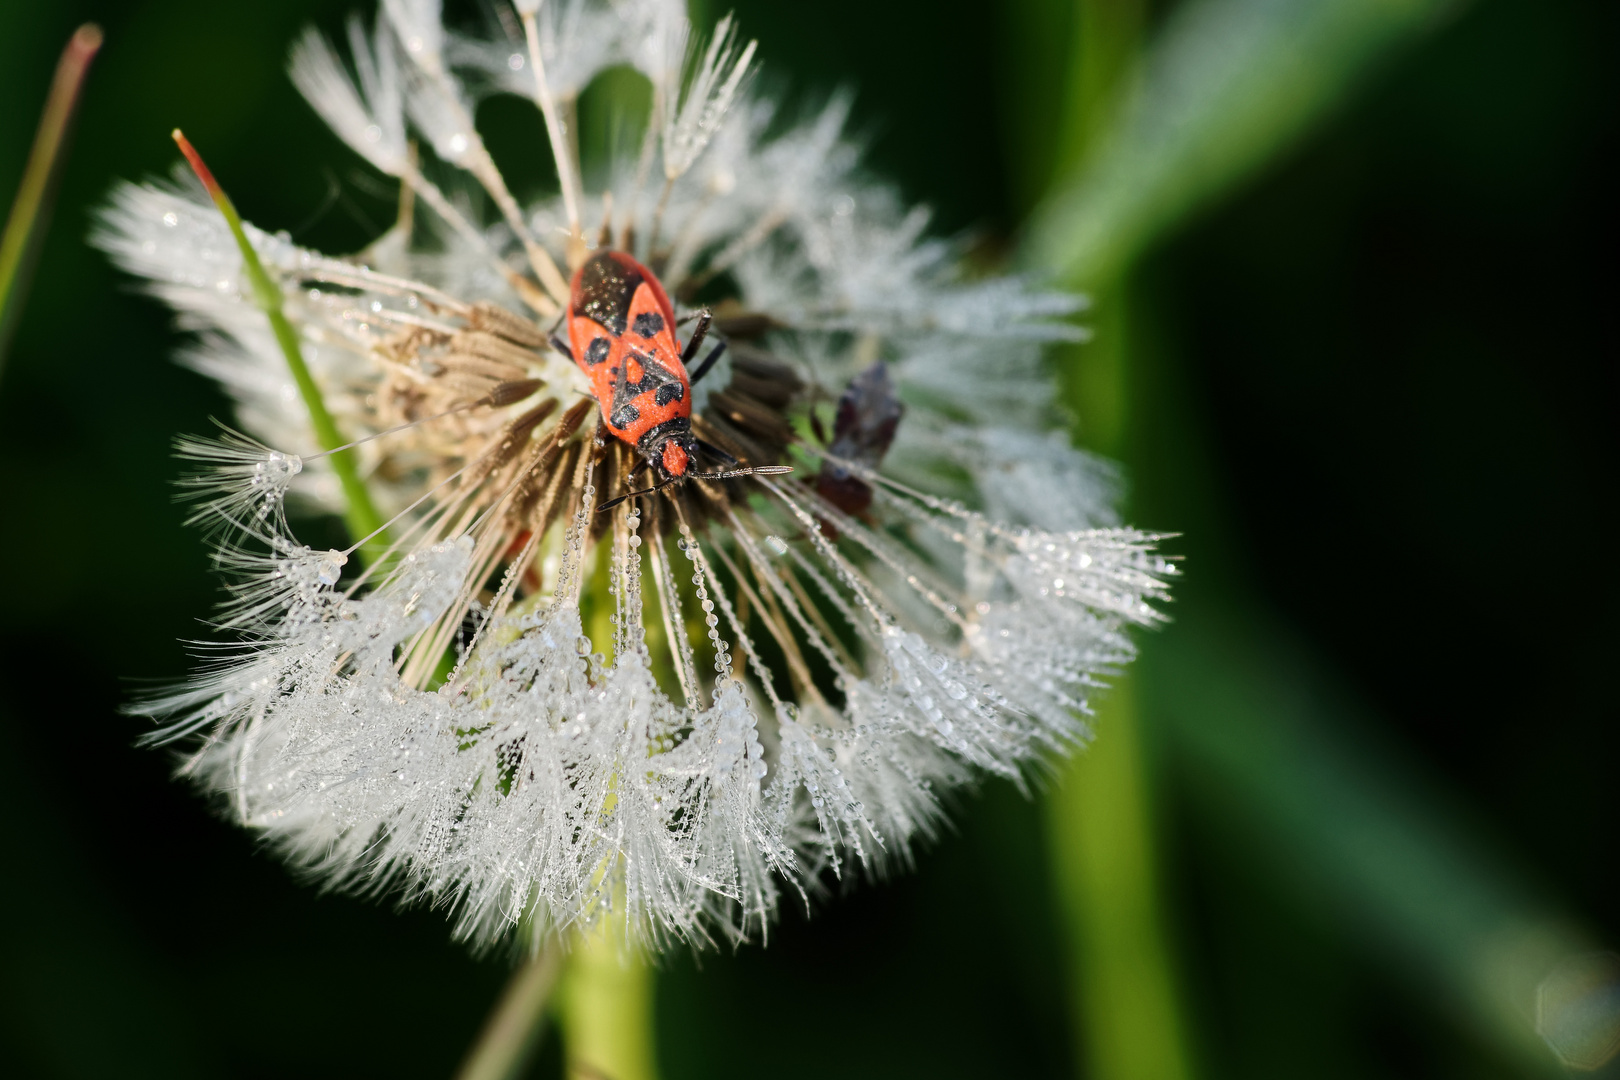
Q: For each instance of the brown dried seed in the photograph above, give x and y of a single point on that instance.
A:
(744, 325)
(714, 429)
(492, 347)
(490, 316)
(759, 422)
(531, 419)
(509, 393)
(466, 384)
(466, 364)
(764, 377)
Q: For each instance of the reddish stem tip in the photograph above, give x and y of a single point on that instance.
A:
(86, 40)
(197, 166)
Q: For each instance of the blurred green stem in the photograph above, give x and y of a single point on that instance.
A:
(1129, 1022)
(1128, 1011)
(364, 522)
(1108, 39)
(604, 1003)
(1150, 136)
(31, 209)
(512, 1033)
(605, 1007)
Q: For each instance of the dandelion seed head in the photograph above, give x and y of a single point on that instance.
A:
(532, 711)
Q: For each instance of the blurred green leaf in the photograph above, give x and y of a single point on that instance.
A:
(1270, 745)
(1224, 86)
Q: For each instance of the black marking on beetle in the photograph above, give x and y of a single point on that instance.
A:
(597, 351)
(670, 392)
(606, 287)
(624, 416)
(654, 376)
(648, 324)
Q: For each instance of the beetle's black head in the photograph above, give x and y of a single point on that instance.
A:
(669, 448)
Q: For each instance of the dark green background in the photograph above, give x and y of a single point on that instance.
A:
(1380, 405)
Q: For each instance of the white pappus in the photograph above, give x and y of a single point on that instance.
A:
(532, 712)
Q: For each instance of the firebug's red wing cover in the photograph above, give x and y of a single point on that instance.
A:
(621, 326)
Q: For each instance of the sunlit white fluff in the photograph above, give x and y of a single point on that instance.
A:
(367, 114)
(532, 712)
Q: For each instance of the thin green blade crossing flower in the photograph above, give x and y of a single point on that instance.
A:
(361, 515)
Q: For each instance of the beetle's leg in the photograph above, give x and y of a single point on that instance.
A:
(561, 346)
(637, 467)
(704, 317)
(710, 448)
(708, 362)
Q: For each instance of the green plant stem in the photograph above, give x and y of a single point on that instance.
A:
(31, 209)
(1225, 87)
(605, 1002)
(1128, 1006)
(1129, 1023)
(364, 522)
(512, 1033)
(605, 1007)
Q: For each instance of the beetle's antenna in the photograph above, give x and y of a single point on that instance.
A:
(757, 470)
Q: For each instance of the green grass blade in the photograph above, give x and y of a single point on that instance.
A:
(361, 514)
(31, 209)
